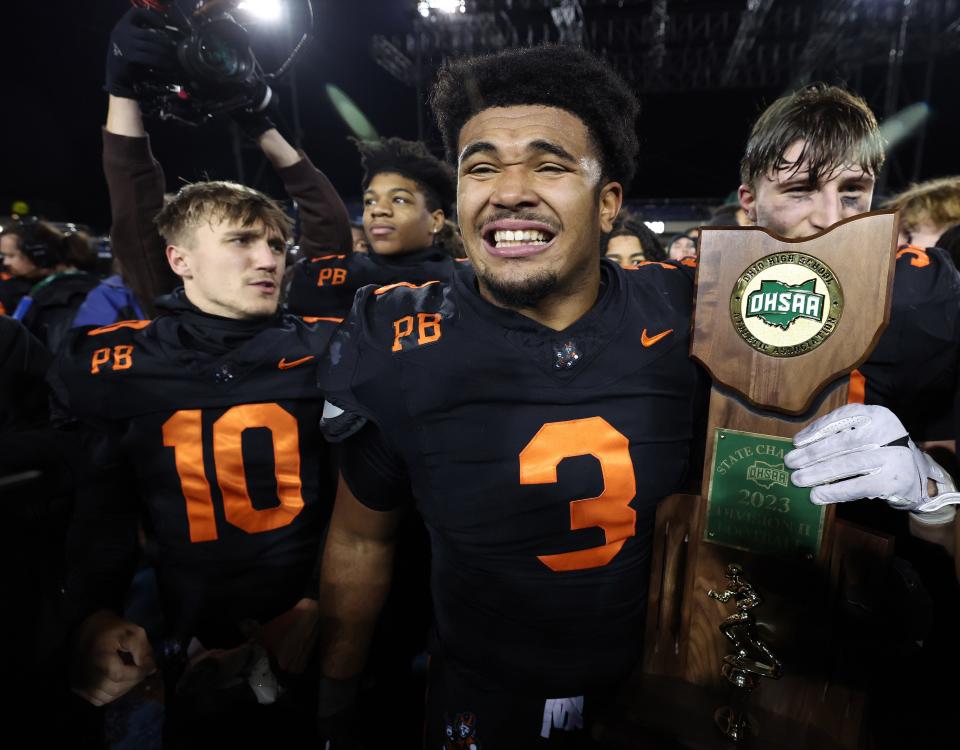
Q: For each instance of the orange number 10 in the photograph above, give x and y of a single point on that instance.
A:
(183, 433)
(611, 510)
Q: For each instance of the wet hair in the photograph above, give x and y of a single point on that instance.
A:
(410, 159)
(937, 200)
(837, 129)
(47, 246)
(568, 78)
(631, 225)
(218, 201)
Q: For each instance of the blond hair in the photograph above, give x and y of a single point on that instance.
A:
(217, 201)
(935, 200)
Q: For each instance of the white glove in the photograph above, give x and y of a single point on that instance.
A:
(860, 451)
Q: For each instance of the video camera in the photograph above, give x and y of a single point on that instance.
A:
(217, 69)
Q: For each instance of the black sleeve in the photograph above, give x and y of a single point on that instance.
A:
(374, 472)
(324, 222)
(136, 183)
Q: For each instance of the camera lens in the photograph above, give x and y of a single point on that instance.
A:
(220, 56)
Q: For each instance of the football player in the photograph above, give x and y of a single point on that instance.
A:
(407, 193)
(811, 161)
(534, 408)
(209, 415)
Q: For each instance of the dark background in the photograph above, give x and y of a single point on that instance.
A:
(52, 62)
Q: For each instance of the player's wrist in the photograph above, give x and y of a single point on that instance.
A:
(938, 491)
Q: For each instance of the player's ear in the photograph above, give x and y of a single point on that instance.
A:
(437, 218)
(611, 198)
(748, 201)
(179, 261)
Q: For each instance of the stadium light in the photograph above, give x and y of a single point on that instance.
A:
(655, 226)
(425, 7)
(265, 10)
(904, 124)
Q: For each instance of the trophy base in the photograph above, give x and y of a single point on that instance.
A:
(663, 713)
(735, 725)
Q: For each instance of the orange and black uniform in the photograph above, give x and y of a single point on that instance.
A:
(913, 369)
(536, 458)
(213, 426)
(326, 285)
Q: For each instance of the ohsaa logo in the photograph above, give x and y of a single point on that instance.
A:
(780, 304)
(786, 304)
(767, 475)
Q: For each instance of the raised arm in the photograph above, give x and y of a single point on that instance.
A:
(324, 222)
(135, 180)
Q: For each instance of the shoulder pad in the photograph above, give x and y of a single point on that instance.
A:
(133, 325)
(82, 373)
(663, 271)
(383, 316)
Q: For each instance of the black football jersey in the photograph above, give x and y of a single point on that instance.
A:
(536, 458)
(226, 455)
(328, 284)
(913, 370)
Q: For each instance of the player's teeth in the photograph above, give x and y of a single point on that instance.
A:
(525, 235)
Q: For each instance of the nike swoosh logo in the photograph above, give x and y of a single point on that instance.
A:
(284, 365)
(649, 341)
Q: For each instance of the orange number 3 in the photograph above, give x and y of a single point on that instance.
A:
(611, 510)
(183, 433)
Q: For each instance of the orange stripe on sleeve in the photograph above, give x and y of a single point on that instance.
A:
(857, 388)
(643, 263)
(385, 289)
(327, 257)
(135, 324)
(316, 319)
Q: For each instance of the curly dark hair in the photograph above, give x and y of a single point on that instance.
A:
(412, 160)
(568, 78)
(631, 225)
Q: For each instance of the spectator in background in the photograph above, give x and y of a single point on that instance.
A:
(109, 302)
(360, 244)
(927, 210)
(730, 215)
(684, 245)
(631, 241)
(58, 266)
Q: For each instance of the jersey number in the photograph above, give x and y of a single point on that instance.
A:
(183, 433)
(610, 510)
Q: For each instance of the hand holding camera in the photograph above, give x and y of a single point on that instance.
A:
(138, 43)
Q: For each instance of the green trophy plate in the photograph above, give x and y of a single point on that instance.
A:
(751, 504)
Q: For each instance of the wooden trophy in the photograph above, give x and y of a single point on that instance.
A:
(779, 325)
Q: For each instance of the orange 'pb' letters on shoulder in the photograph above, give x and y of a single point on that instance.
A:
(117, 358)
(427, 327)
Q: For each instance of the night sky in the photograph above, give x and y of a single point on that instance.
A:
(52, 59)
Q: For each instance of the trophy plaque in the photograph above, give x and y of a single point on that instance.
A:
(781, 326)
